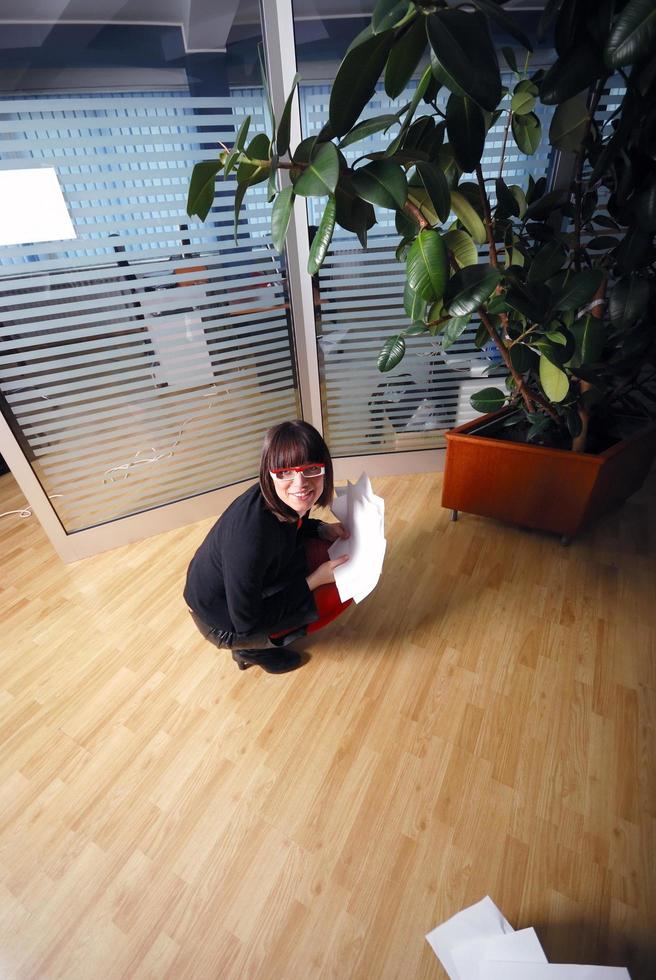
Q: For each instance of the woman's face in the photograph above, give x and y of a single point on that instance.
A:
(299, 493)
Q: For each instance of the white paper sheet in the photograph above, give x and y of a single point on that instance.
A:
(480, 921)
(522, 946)
(492, 970)
(363, 513)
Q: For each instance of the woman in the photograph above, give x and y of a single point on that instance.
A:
(262, 576)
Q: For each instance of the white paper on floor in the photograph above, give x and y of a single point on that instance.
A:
(478, 943)
(363, 513)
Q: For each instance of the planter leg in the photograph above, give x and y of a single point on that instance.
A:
(565, 540)
(454, 515)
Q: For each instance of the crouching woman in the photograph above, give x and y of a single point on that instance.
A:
(262, 577)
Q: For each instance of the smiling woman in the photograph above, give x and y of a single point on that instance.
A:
(262, 577)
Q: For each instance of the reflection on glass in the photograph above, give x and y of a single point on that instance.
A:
(141, 362)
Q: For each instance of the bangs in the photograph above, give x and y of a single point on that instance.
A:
(293, 447)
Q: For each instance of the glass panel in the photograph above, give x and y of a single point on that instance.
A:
(141, 361)
(358, 292)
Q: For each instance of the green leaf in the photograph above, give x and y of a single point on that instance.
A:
(364, 35)
(462, 248)
(507, 204)
(392, 352)
(469, 288)
(282, 134)
(239, 197)
(259, 148)
(465, 126)
(381, 182)
(417, 96)
(571, 74)
(452, 330)
(322, 238)
(442, 77)
(201, 188)
(546, 262)
(522, 102)
(387, 13)
(462, 42)
(446, 161)
(404, 58)
(367, 128)
(506, 23)
(554, 381)
(280, 215)
(522, 358)
(427, 265)
(511, 61)
(633, 34)
(578, 290)
(488, 400)
(271, 186)
(590, 336)
(413, 304)
(436, 187)
(569, 124)
(544, 206)
(265, 85)
(527, 132)
(628, 301)
(233, 156)
(416, 328)
(355, 82)
(352, 212)
(322, 173)
(406, 225)
(469, 217)
(520, 198)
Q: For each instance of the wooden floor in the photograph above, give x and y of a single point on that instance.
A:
(483, 724)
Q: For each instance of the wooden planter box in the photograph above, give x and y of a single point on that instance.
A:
(548, 489)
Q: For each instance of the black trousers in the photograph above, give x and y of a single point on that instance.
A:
(226, 640)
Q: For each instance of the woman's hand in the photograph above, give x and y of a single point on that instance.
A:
(324, 574)
(331, 532)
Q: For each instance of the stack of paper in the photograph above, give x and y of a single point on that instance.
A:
(480, 944)
(363, 513)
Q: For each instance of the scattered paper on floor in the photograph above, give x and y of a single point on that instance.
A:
(363, 513)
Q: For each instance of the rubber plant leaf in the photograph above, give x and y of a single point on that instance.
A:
(321, 174)
(527, 131)
(465, 126)
(404, 58)
(381, 182)
(554, 381)
(569, 124)
(469, 288)
(571, 74)
(463, 46)
(628, 301)
(284, 126)
(578, 290)
(201, 188)
(462, 247)
(468, 216)
(392, 353)
(546, 262)
(452, 330)
(322, 238)
(413, 304)
(387, 13)
(633, 35)
(427, 266)
(488, 400)
(280, 215)
(496, 13)
(590, 335)
(437, 188)
(367, 128)
(355, 82)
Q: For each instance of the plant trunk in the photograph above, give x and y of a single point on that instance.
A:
(580, 441)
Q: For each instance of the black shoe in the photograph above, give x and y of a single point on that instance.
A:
(273, 661)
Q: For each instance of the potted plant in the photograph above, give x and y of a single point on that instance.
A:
(557, 279)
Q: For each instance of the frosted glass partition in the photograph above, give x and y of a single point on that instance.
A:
(140, 363)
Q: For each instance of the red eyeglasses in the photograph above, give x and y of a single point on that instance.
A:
(308, 469)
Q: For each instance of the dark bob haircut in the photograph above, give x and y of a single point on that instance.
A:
(293, 444)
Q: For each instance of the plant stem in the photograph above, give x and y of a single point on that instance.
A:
(501, 347)
(487, 216)
(505, 140)
(415, 213)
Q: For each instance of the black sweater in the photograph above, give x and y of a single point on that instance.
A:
(249, 574)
